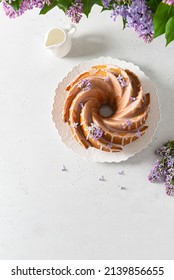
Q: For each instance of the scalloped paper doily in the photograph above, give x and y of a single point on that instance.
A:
(93, 153)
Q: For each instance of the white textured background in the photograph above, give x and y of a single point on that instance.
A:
(49, 214)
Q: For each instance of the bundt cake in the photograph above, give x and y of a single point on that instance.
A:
(106, 85)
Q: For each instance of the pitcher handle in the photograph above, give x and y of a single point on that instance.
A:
(71, 29)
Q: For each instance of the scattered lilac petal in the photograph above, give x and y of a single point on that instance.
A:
(121, 172)
(64, 168)
(102, 179)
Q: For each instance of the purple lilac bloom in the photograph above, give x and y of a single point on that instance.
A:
(24, 6)
(169, 189)
(138, 15)
(138, 134)
(163, 151)
(169, 181)
(75, 125)
(169, 2)
(121, 81)
(119, 10)
(85, 84)
(109, 146)
(106, 3)
(157, 172)
(166, 151)
(106, 79)
(132, 98)
(163, 170)
(95, 131)
(129, 123)
(75, 11)
(169, 184)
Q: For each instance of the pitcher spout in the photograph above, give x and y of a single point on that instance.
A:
(55, 37)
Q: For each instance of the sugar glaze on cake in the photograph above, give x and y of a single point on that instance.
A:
(118, 88)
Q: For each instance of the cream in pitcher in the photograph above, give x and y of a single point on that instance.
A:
(59, 40)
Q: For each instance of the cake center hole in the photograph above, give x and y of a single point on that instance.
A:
(106, 110)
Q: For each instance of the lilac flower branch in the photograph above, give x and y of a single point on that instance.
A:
(149, 18)
(163, 169)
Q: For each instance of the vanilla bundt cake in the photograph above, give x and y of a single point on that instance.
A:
(118, 88)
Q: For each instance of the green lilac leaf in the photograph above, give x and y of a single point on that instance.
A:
(169, 33)
(87, 6)
(153, 4)
(99, 2)
(170, 145)
(162, 15)
(16, 4)
(48, 8)
(61, 4)
(64, 4)
(124, 23)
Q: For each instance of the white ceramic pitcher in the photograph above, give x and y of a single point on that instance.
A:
(59, 40)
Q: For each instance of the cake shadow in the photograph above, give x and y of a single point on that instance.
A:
(146, 155)
(166, 99)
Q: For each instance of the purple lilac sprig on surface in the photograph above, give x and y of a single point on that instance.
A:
(137, 15)
(95, 131)
(163, 169)
(121, 81)
(75, 11)
(85, 84)
(24, 6)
